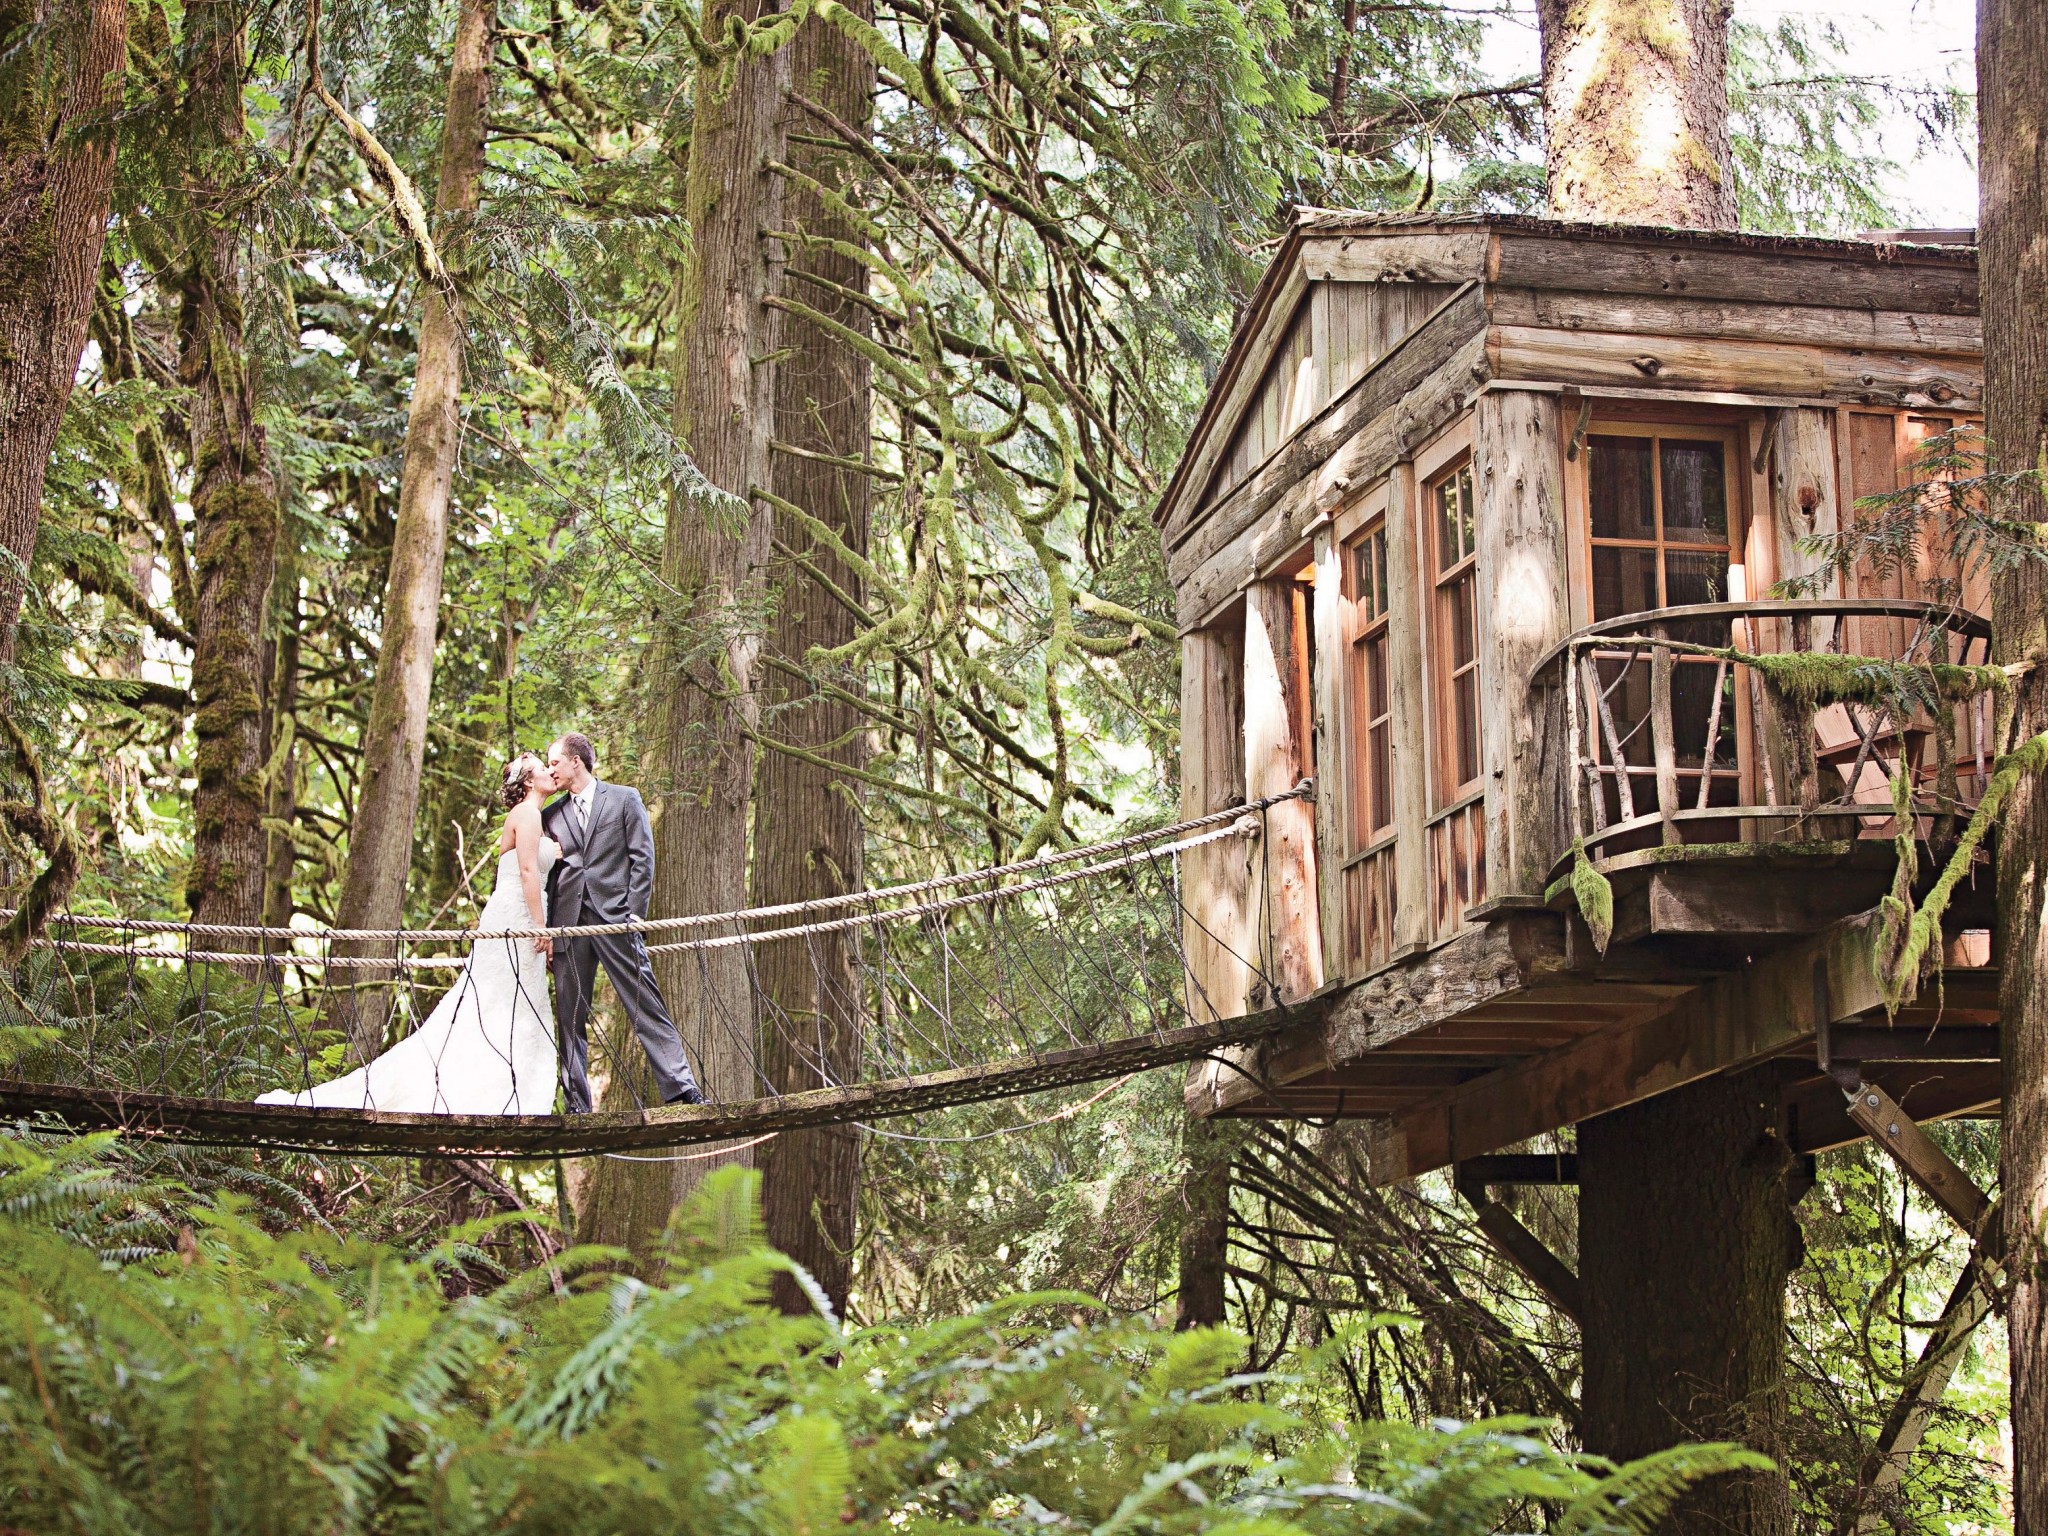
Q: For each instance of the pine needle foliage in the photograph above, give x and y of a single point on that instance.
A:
(251, 1381)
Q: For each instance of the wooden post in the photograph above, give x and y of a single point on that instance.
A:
(1663, 743)
(1215, 888)
(1804, 501)
(1523, 613)
(1274, 704)
(1408, 699)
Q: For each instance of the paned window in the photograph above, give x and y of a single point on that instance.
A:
(1452, 506)
(1659, 505)
(1373, 793)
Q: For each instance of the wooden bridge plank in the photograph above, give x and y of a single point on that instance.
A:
(220, 1122)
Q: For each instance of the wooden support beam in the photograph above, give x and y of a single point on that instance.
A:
(1522, 1168)
(1978, 1042)
(1900, 1138)
(1969, 1303)
(1276, 709)
(1521, 1247)
(1768, 1007)
(1523, 614)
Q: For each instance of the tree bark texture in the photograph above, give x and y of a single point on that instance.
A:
(705, 671)
(807, 824)
(1635, 111)
(234, 492)
(2012, 86)
(1686, 1241)
(281, 749)
(381, 834)
(56, 184)
(1207, 1149)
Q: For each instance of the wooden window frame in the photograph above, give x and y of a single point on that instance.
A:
(1447, 582)
(1734, 477)
(1368, 623)
(1736, 468)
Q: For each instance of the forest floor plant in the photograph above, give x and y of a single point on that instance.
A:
(248, 1380)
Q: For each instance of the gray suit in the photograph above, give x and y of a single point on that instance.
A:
(605, 875)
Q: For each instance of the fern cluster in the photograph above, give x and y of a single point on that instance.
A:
(246, 1381)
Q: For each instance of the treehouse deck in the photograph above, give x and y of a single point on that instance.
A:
(1482, 530)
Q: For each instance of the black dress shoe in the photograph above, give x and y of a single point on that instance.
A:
(687, 1096)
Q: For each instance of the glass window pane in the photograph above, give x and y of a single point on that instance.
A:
(1694, 577)
(1376, 676)
(1624, 581)
(1466, 689)
(1454, 519)
(1618, 471)
(1464, 622)
(1379, 560)
(1695, 493)
(1379, 745)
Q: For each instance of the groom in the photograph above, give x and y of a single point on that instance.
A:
(605, 875)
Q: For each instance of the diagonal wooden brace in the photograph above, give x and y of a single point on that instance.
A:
(1974, 1298)
(1520, 1247)
(1893, 1130)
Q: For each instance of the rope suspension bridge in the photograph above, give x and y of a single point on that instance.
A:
(988, 984)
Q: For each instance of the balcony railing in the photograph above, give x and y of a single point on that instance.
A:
(1671, 740)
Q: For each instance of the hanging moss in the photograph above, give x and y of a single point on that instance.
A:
(1912, 935)
(1812, 679)
(1594, 894)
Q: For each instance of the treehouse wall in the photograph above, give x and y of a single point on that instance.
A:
(1382, 525)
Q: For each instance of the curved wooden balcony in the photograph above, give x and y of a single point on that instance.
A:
(1668, 745)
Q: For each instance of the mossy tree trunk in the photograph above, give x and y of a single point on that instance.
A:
(807, 825)
(2012, 95)
(381, 835)
(280, 742)
(56, 186)
(705, 673)
(1685, 1236)
(1635, 111)
(234, 493)
(1686, 1241)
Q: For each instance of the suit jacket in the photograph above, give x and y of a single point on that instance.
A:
(606, 874)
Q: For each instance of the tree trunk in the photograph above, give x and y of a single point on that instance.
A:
(281, 751)
(2012, 95)
(705, 670)
(234, 493)
(1686, 1241)
(380, 839)
(1207, 1148)
(1613, 73)
(807, 824)
(56, 182)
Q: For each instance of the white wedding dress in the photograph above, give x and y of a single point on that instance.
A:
(488, 1048)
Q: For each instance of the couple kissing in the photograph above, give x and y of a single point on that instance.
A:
(584, 859)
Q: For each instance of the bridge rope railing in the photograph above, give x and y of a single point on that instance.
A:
(983, 984)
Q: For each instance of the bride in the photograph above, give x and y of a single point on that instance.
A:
(488, 1048)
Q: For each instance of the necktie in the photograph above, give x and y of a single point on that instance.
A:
(582, 817)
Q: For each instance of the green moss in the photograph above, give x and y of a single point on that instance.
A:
(1812, 679)
(1912, 936)
(1594, 894)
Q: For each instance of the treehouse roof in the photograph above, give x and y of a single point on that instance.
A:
(1577, 290)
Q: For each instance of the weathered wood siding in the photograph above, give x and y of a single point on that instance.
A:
(1216, 936)
(1339, 330)
(1518, 448)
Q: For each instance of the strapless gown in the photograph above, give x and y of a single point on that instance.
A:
(488, 1048)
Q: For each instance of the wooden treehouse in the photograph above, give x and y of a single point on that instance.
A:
(1463, 493)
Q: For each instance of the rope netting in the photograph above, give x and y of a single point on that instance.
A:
(1061, 970)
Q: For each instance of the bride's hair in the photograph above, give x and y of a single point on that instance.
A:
(518, 774)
